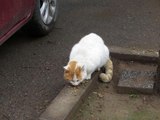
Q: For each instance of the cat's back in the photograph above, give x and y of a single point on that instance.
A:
(91, 39)
(90, 46)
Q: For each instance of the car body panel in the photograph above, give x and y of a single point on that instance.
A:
(13, 15)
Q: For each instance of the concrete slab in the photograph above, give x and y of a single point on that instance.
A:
(68, 101)
(136, 77)
(129, 78)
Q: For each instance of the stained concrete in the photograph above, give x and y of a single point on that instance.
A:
(136, 77)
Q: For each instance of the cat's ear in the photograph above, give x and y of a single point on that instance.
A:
(83, 68)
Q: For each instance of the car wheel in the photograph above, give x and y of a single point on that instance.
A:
(44, 17)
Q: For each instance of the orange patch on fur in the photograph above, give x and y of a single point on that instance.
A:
(78, 73)
(69, 73)
(72, 70)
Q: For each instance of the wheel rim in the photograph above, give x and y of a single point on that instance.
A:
(48, 10)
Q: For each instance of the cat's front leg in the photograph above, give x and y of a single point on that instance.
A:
(88, 76)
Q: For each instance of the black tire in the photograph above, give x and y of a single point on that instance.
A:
(37, 26)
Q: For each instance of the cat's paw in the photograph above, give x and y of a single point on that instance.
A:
(88, 77)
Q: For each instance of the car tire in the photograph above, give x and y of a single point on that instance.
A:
(44, 17)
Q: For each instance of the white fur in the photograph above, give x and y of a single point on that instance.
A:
(90, 52)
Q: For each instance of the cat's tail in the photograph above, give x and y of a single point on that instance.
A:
(107, 76)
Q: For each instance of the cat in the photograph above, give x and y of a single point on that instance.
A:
(87, 56)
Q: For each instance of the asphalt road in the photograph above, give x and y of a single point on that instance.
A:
(31, 72)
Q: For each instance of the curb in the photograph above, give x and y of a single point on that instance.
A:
(70, 98)
(134, 54)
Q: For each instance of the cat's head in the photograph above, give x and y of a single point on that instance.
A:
(74, 73)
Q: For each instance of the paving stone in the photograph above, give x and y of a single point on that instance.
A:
(136, 78)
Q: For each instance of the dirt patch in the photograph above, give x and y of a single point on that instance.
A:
(105, 104)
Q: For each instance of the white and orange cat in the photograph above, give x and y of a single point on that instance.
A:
(87, 56)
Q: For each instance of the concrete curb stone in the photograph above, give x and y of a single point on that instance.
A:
(68, 100)
(134, 54)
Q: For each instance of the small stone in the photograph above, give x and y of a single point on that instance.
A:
(95, 93)
(47, 68)
(87, 104)
(80, 110)
(99, 110)
(100, 95)
(89, 97)
(25, 94)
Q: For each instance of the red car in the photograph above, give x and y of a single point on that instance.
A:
(40, 16)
